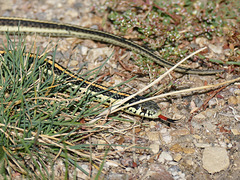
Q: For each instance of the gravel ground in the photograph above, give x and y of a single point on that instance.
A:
(207, 147)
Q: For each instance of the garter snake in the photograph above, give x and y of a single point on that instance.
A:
(46, 28)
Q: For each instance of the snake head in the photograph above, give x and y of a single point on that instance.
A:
(153, 111)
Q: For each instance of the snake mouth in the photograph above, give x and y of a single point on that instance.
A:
(167, 119)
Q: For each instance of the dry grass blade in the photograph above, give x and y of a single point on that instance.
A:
(114, 108)
(180, 92)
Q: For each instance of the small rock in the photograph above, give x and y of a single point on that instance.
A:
(235, 132)
(234, 100)
(189, 161)
(100, 144)
(157, 171)
(176, 148)
(237, 92)
(167, 139)
(196, 136)
(113, 164)
(129, 169)
(174, 169)
(84, 50)
(177, 157)
(153, 136)
(166, 136)
(200, 116)
(201, 41)
(165, 156)
(155, 148)
(222, 144)
(117, 176)
(179, 132)
(210, 112)
(229, 145)
(152, 124)
(95, 53)
(209, 126)
(238, 99)
(73, 63)
(215, 49)
(196, 125)
(202, 145)
(178, 116)
(164, 105)
(185, 138)
(215, 159)
(188, 150)
(143, 157)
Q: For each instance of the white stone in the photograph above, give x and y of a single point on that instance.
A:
(215, 159)
(153, 136)
(202, 145)
(84, 50)
(167, 139)
(177, 157)
(165, 156)
(155, 148)
(111, 164)
(235, 132)
(223, 144)
(215, 49)
(209, 126)
(95, 53)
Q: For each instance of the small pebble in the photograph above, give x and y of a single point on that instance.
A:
(237, 92)
(117, 176)
(112, 164)
(73, 63)
(153, 135)
(209, 126)
(155, 148)
(202, 145)
(200, 116)
(210, 112)
(196, 136)
(100, 142)
(196, 125)
(177, 157)
(143, 157)
(179, 132)
(152, 124)
(84, 50)
(176, 148)
(166, 136)
(188, 150)
(215, 159)
(229, 145)
(235, 132)
(189, 161)
(234, 100)
(165, 156)
(216, 49)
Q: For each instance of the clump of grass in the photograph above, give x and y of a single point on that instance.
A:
(41, 118)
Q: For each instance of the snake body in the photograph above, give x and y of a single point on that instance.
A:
(46, 28)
